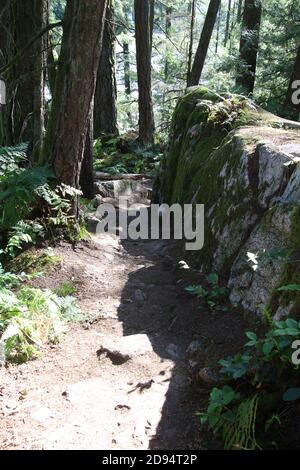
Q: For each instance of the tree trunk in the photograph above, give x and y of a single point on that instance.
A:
(240, 10)
(127, 81)
(3, 56)
(169, 12)
(249, 45)
(75, 89)
(26, 78)
(191, 45)
(218, 31)
(87, 169)
(105, 110)
(295, 76)
(204, 42)
(143, 30)
(227, 23)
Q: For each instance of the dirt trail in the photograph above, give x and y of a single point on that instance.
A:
(120, 381)
(74, 399)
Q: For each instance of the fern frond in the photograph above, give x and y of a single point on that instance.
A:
(240, 434)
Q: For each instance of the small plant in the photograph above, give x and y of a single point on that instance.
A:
(29, 318)
(266, 366)
(213, 294)
(65, 290)
(232, 418)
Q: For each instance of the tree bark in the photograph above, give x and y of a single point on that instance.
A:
(169, 11)
(3, 55)
(26, 77)
(249, 46)
(204, 42)
(105, 109)
(75, 89)
(191, 45)
(227, 23)
(87, 169)
(143, 30)
(240, 10)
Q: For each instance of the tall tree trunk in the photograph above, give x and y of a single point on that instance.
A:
(143, 30)
(295, 76)
(169, 11)
(218, 31)
(127, 82)
(191, 45)
(3, 56)
(240, 10)
(227, 23)
(105, 110)
(152, 15)
(249, 45)
(26, 77)
(87, 169)
(75, 89)
(205, 38)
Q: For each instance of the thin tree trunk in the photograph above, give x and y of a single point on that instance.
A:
(227, 23)
(126, 54)
(191, 45)
(3, 56)
(218, 31)
(75, 89)
(240, 10)
(105, 109)
(249, 45)
(169, 12)
(152, 14)
(51, 66)
(87, 169)
(143, 30)
(204, 42)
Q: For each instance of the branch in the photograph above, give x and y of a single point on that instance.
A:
(15, 59)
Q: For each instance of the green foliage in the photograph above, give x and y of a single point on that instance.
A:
(32, 208)
(232, 418)
(12, 157)
(213, 294)
(29, 318)
(32, 262)
(110, 157)
(265, 365)
(65, 290)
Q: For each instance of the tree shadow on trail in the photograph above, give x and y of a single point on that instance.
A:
(154, 304)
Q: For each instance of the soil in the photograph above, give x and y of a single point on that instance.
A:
(74, 397)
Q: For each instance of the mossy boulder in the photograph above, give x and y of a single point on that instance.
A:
(242, 164)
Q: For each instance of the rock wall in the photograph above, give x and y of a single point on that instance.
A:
(243, 164)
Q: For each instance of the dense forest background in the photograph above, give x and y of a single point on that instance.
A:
(175, 31)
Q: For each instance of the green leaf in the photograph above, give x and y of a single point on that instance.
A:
(290, 288)
(268, 347)
(292, 394)
(213, 279)
(251, 336)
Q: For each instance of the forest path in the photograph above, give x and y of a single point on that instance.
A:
(120, 381)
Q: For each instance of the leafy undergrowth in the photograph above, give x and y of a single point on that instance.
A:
(115, 155)
(30, 318)
(34, 211)
(261, 388)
